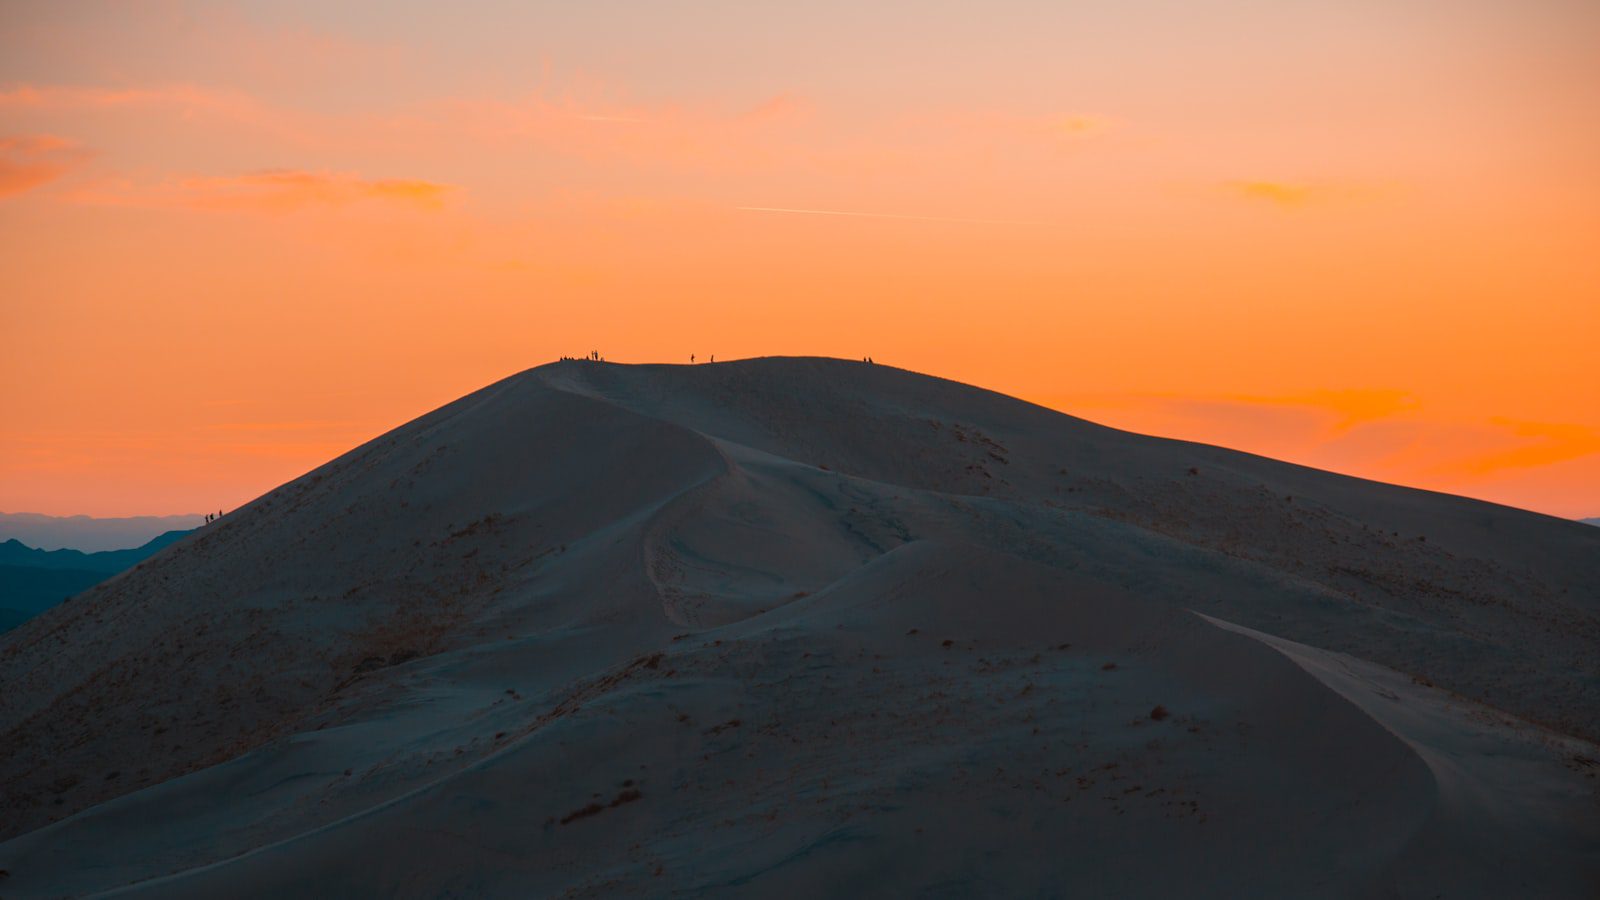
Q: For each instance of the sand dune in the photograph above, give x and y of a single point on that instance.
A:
(809, 627)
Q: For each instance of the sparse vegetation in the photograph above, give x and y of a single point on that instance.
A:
(628, 795)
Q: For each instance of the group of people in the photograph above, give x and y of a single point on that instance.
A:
(594, 356)
(212, 518)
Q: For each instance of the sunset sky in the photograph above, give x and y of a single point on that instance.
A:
(238, 239)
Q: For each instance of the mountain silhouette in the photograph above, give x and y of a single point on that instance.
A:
(33, 580)
(91, 534)
(15, 553)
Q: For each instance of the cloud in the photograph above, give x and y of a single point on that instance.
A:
(1353, 407)
(1321, 414)
(785, 130)
(186, 103)
(1273, 192)
(1052, 132)
(1378, 434)
(274, 191)
(596, 125)
(587, 120)
(592, 122)
(35, 97)
(1297, 195)
(28, 161)
(1551, 443)
(284, 188)
(272, 427)
(870, 215)
(1061, 128)
(59, 98)
(781, 108)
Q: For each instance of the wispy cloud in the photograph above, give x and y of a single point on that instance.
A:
(183, 97)
(1296, 194)
(322, 425)
(287, 188)
(1382, 433)
(591, 121)
(1551, 443)
(991, 131)
(1353, 407)
(871, 215)
(189, 104)
(1321, 415)
(277, 191)
(780, 108)
(602, 126)
(1058, 129)
(28, 161)
(57, 97)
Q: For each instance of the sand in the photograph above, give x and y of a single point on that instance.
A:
(811, 627)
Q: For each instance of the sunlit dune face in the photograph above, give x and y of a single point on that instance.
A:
(235, 241)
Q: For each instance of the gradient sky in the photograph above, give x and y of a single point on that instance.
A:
(237, 239)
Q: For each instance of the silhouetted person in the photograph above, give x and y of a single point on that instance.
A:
(691, 359)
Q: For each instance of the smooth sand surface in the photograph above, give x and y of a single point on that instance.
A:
(807, 627)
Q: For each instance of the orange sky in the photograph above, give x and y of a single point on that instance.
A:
(238, 239)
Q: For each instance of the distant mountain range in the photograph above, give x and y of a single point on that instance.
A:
(88, 533)
(1593, 521)
(33, 580)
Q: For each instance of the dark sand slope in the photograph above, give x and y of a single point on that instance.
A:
(600, 630)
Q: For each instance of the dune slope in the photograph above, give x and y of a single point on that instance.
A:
(806, 626)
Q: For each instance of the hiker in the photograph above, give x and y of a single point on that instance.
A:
(691, 359)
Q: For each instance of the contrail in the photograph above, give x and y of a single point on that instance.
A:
(867, 215)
